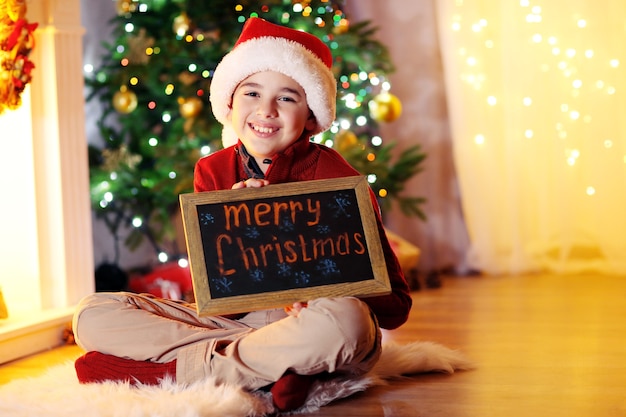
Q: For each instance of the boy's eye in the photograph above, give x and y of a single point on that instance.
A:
(286, 99)
(252, 94)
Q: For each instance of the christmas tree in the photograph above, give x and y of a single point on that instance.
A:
(156, 121)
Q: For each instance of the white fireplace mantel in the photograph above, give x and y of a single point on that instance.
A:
(46, 264)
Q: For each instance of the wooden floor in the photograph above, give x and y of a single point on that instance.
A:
(544, 346)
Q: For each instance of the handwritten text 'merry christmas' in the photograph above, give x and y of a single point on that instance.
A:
(301, 247)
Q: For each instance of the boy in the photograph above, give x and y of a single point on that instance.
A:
(272, 92)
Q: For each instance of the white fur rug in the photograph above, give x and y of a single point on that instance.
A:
(58, 393)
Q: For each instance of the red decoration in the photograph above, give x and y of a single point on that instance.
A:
(16, 43)
(169, 280)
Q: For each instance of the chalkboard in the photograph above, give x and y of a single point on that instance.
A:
(258, 248)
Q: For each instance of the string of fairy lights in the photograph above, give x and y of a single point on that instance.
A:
(575, 66)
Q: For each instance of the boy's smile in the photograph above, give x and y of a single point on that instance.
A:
(269, 112)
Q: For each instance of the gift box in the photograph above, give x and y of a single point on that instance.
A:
(408, 254)
(169, 280)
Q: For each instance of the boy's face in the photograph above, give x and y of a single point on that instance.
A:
(269, 112)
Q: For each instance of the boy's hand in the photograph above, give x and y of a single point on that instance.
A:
(295, 309)
(250, 183)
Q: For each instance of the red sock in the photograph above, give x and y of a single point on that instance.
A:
(291, 390)
(98, 367)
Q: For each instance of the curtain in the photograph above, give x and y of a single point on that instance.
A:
(536, 93)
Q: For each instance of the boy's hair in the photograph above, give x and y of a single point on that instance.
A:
(264, 46)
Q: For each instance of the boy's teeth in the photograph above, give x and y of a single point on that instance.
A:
(263, 129)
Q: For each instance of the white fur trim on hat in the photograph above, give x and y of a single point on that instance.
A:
(229, 136)
(281, 55)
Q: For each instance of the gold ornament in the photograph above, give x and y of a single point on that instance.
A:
(345, 140)
(125, 6)
(190, 107)
(124, 101)
(137, 47)
(385, 107)
(181, 24)
(114, 158)
(188, 78)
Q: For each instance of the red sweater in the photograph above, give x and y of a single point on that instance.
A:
(305, 160)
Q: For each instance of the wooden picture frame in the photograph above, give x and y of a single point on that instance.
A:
(268, 247)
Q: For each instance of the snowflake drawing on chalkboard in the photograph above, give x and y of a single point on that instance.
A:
(302, 278)
(284, 270)
(206, 219)
(286, 224)
(323, 229)
(340, 203)
(222, 284)
(257, 275)
(252, 233)
(327, 267)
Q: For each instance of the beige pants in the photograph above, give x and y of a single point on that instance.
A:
(331, 334)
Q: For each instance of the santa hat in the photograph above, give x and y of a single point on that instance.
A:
(264, 46)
